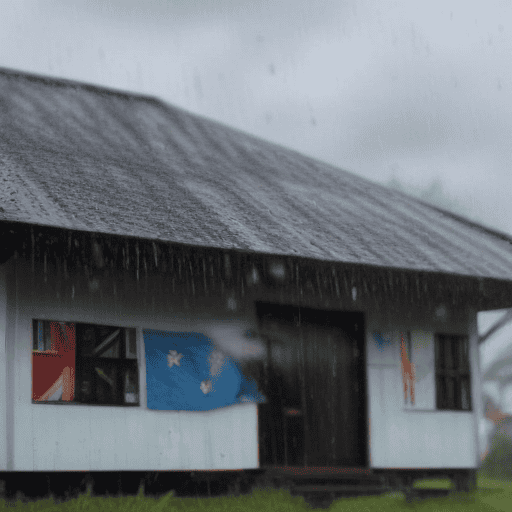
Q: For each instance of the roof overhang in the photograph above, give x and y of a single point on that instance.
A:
(207, 267)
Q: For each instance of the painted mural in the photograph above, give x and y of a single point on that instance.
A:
(187, 371)
(415, 355)
(408, 369)
(53, 361)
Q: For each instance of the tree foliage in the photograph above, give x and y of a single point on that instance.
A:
(498, 463)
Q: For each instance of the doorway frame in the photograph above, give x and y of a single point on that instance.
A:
(363, 422)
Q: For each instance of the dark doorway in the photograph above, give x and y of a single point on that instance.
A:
(314, 379)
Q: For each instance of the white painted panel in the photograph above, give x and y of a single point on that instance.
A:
(414, 436)
(166, 447)
(60, 443)
(116, 438)
(23, 421)
(74, 437)
(377, 413)
(234, 442)
(401, 438)
(139, 438)
(444, 439)
(245, 435)
(194, 441)
(476, 385)
(3, 360)
(107, 437)
(382, 348)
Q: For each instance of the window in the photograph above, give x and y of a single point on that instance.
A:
(84, 363)
(453, 389)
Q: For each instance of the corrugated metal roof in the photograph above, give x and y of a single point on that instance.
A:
(87, 158)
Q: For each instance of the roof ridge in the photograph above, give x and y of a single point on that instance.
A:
(67, 82)
(112, 140)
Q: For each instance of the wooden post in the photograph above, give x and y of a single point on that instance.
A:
(119, 485)
(141, 492)
(89, 485)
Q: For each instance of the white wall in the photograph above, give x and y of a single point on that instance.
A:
(3, 361)
(84, 437)
(71, 437)
(413, 436)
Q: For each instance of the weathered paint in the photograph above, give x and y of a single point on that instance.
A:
(213, 271)
(405, 435)
(110, 438)
(476, 383)
(85, 437)
(10, 367)
(3, 365)
(315, 385)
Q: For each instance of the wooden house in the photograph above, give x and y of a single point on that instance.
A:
(147, 253)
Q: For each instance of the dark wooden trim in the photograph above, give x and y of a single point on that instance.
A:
(452, 376)
(203, 271)
(303, 328)
(315, 471)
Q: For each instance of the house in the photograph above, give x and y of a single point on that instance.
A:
(176, 295)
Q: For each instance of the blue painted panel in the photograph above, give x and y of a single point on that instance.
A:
(186, 371)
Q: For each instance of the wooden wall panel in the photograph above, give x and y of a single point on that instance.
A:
(3, 363)
(105, 438)
(235, 420)
(415, 436)
(476, 383)
(80, 437)
(140, 439)
(23, 422)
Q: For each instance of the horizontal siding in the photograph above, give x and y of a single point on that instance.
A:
(106, 439)
(81, 437)
(405, 438)
(3, 363)
(61, 437)
(405, 435)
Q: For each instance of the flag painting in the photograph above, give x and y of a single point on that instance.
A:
(187, 371)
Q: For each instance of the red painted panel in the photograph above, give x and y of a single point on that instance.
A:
(408, 370)
(49, 366)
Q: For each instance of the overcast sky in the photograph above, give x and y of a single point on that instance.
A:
(419, 91)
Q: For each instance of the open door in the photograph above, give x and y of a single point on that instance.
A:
(314, 377)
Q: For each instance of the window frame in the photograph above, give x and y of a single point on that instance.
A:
(452, 372)
(126, 361)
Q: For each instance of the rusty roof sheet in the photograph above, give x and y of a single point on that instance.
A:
(88, 158)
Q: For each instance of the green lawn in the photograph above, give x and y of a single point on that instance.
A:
(491, 495)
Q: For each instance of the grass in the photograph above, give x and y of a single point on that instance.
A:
(491, 495)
